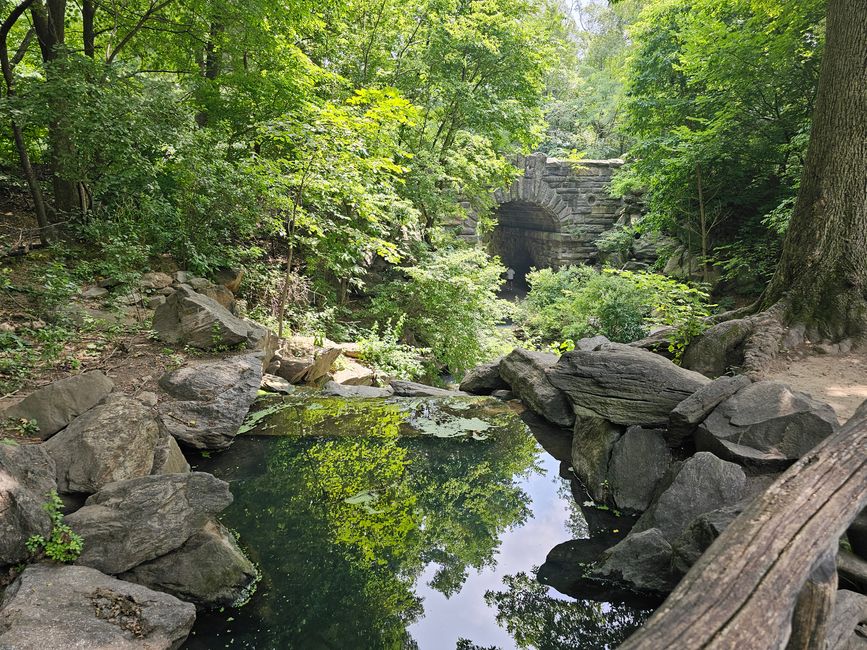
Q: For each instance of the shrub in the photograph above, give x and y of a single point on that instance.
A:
(62, 544)
(577, 302)
(451, 305)
(383, 349)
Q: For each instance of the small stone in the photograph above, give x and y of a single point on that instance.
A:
(155, 281)
(147, 398)
(181, 277)
(275, 384)
(156, 301)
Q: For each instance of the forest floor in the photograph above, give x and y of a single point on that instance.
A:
(838, 379)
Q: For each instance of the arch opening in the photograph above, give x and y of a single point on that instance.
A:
(524, 237)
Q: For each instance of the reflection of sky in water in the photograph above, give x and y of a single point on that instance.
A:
(466, 614)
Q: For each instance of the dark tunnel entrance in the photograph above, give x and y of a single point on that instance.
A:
(523, 237)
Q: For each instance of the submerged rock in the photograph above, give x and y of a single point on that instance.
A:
(56, 405)
(766, 424)
(77, 607)
(111, 442)
(624, 385)
(211, 400)
(208, 570)
(641, 561)
(130, 522)
(27, 475)
(524, 371)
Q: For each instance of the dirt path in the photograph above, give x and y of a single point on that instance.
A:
(840, 380)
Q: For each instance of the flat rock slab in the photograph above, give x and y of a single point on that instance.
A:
(623, 384)
(27, 475)
(701, 484)
(484, 379)
(59, 403)
(111, 442)
(130, 522)
(352, 373)
(687, 415)
(639, 461)
(212, 399)
(766, 424)
(208, 570)
(413, 389)
(332, 388)
(78, 608)
(525, 372)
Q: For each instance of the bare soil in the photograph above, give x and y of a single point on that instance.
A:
(838, 379)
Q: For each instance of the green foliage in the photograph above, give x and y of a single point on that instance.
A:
(383, 349)
(450, 304)
(63, 544)
(723, 91)
(576, 302)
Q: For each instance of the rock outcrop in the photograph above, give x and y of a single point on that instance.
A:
(623, 385)
(334, 389)
(414, 389)
(639, 461)
(131, 522)
(593, 441)
(56, 405)
(211, 400)
(641, 561)
(687, 415)
(525, 372)
(77, 607)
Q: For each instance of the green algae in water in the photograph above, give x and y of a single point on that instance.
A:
(325, 416)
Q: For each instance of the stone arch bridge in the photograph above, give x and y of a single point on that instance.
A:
(553, 213)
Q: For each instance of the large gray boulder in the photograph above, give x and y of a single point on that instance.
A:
(190, 318)
(766, 424)
(77, 608)
(641, 561)
(59, 403)
(525, 372)
(701, 484)
(687, 415)
(111, 442)
(846, 629)
(593, 441)
(130, 522)
(211, 400)
(623, 384)
(639, 461)
(26, 477)
(484, 379)
(208, 570)
(333, 389)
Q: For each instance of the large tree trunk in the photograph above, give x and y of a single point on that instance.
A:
(822, 275)
(48, 21)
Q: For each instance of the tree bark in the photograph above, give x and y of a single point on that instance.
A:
(822, 274)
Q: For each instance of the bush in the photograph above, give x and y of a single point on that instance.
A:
(383, 349)
(577, 302)
(62, 544)
(450, 304)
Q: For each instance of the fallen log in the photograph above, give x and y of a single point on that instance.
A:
(743, 591)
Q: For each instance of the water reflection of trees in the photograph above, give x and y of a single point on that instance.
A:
(536, 619)
(343, 527)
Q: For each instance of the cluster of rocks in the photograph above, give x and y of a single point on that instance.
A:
(153, 548)
(683, 452)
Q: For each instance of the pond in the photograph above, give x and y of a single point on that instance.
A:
(403, 523)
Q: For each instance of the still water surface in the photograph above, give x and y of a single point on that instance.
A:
(402, 523)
